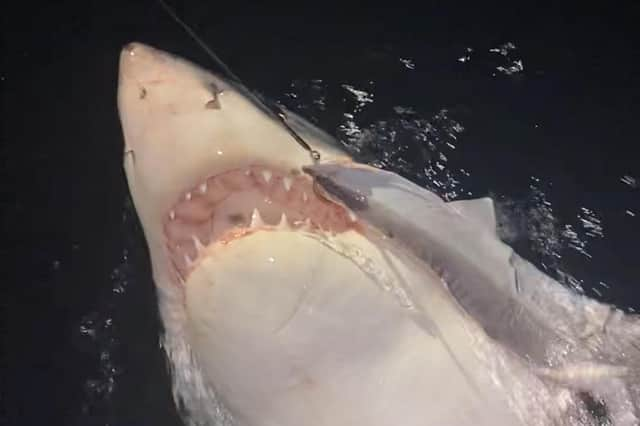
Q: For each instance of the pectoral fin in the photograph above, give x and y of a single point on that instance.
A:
(596, 347)
(456, 239)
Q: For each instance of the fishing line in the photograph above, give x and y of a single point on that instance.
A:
(199, 41)
(274, 108)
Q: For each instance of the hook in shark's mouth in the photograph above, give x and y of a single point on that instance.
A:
(242, 201)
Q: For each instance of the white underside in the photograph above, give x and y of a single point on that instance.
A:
(314, 338)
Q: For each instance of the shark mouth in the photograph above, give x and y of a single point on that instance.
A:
(233, 204)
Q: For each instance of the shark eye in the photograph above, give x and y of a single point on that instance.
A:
(215, 102)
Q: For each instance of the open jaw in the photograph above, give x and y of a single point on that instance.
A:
(238, 202)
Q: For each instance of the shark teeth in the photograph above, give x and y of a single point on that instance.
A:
(283, 224)
(256, 219)
(286, 182)
(287, 203)
(198, 244)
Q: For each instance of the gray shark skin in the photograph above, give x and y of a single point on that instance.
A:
(295, 292)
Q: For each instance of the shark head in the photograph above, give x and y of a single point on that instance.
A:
(283, 306)
(218, 184)
(204, 158)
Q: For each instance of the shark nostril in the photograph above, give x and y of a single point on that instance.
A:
(143, 93)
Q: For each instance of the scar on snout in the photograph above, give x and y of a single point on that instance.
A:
(236, 218)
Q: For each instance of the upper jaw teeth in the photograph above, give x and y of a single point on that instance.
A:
(283, 224)
(286, 182)
(287, 200)
(256, 221)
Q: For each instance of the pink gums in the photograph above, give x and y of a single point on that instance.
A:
(220, 209)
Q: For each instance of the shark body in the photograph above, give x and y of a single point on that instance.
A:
(332, 293)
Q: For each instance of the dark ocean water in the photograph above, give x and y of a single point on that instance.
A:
(537, 107)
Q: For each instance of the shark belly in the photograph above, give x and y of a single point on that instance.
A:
(300, 289)
(323, 342)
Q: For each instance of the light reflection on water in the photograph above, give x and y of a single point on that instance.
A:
(422, 148)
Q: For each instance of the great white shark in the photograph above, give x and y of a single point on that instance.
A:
(300, 289)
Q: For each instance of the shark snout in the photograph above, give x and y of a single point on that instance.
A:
(140, 62)
(130, 48)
